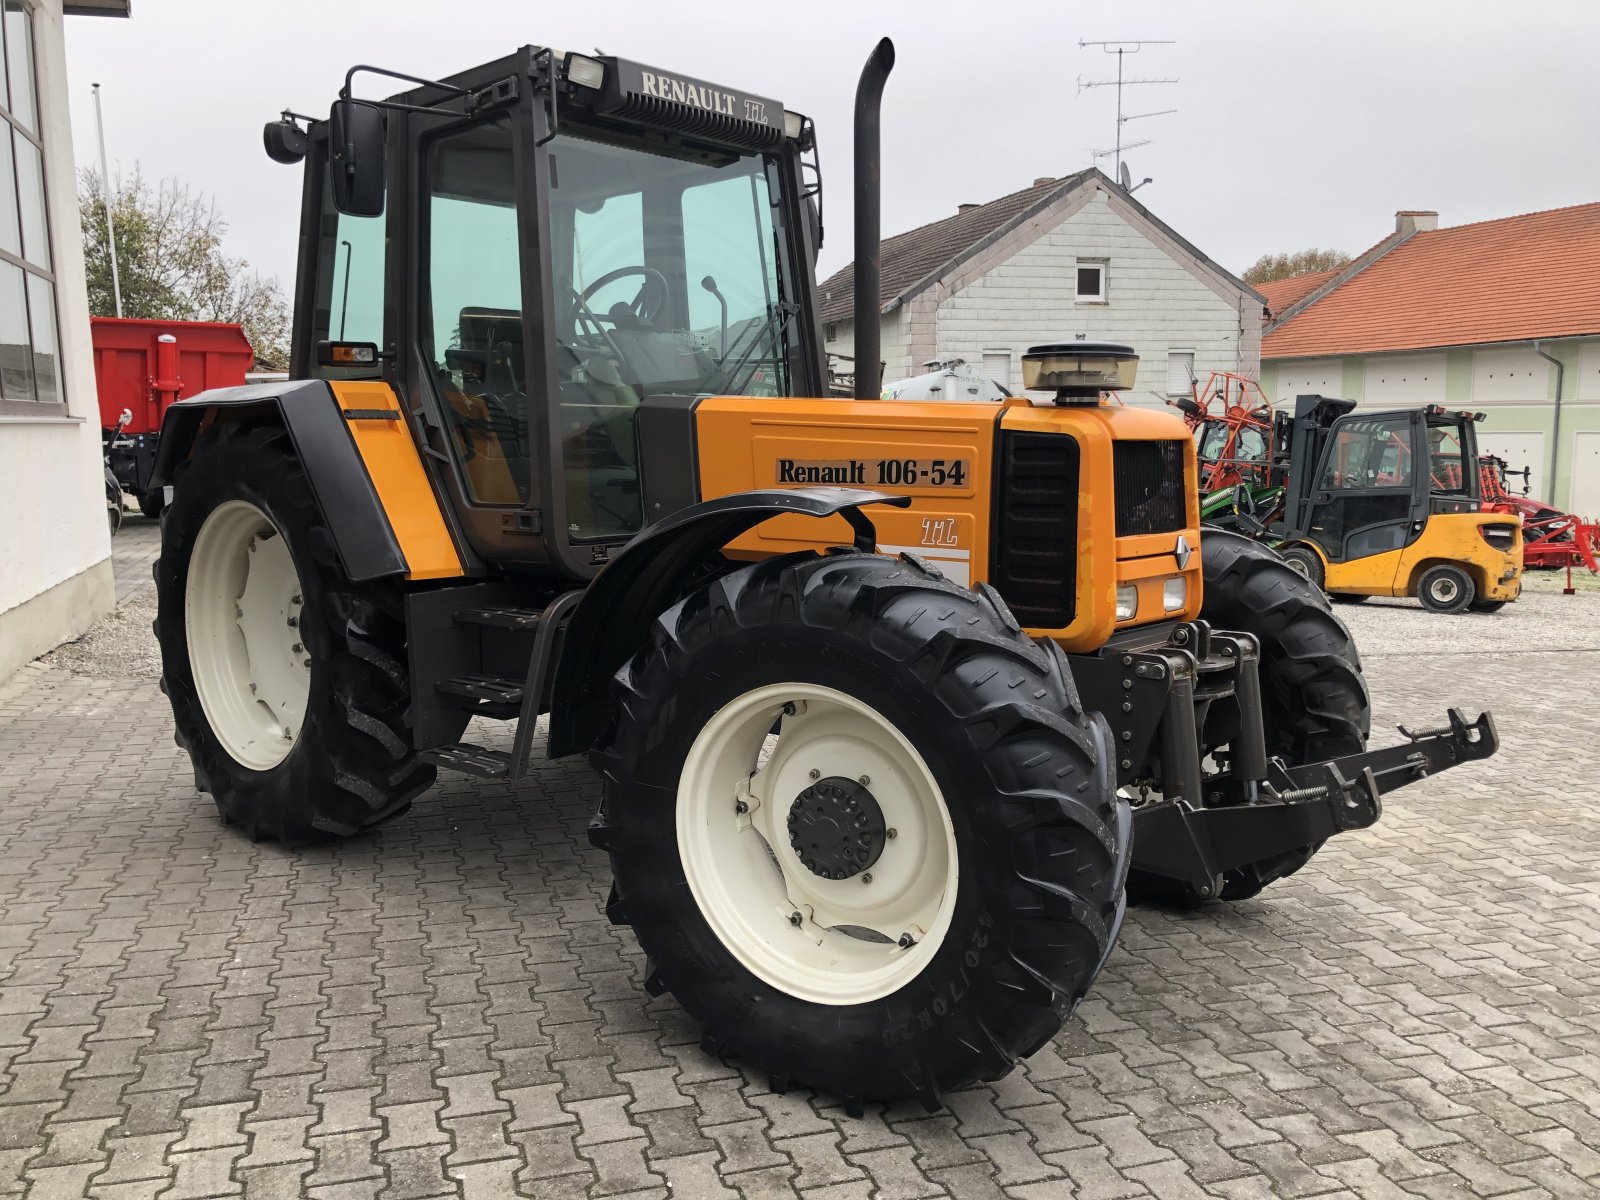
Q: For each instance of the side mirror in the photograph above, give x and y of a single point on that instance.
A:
(355, 157)
(285, 141)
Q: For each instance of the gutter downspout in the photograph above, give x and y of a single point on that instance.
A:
(1555, 432)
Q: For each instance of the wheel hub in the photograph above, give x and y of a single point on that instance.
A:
(836, 828)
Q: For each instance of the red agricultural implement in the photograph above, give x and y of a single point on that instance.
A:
(143, 367)
(1234, 420)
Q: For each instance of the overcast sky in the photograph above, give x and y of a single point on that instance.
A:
(1298, 122)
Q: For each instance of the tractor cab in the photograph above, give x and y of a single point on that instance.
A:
(538, 251)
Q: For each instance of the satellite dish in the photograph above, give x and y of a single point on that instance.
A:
(1124, 177)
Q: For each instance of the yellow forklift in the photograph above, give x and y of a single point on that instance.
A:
(891, 701)
(1390, 504)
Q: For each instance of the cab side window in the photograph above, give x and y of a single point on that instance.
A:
(472, 327)
(350, 267)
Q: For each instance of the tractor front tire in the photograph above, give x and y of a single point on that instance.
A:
(287, 680)
(1314, 696)
(861, 826)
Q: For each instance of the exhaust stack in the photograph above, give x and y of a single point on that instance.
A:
(869, 176)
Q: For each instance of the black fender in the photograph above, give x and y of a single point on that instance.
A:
(344, 492)
(649, 575)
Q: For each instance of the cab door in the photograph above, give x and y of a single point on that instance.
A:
(1369, 484)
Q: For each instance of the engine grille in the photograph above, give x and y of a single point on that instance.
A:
(1036, 528)
(1150, 486)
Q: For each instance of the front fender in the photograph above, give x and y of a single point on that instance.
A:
(648, 576)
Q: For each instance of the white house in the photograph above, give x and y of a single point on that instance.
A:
(1075, 258)
(55, 552)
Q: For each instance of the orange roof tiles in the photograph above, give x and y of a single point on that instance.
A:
(1281, 293)
(1514, 279)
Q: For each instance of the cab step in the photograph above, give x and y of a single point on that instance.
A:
(472, 760)
(494, 688)
(519, 620)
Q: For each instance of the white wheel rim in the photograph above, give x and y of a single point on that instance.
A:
(750, 882)
(1445, 590)
(242, 607)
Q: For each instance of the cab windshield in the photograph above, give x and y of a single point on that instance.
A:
(669, 277)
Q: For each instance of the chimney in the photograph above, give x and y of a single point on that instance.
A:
(1043, 179)
(961, 208)
(1415, 220)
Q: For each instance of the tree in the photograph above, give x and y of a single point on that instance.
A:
(171, 264)
(1285, 266)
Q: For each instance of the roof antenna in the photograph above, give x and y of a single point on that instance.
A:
(1121, 48)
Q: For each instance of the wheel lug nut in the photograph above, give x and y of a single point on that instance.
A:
(297, 648)
(815, 774)
(865, 779)
(891, 832)
(795, 919)
(293, 622)
(867, 878)
(788, 709)
(741, 807)
(907, 941)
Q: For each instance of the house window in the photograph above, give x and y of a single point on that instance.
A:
(830, 332)
(1091, 281)
(30, 359)
(1180, 372)
(997, 366)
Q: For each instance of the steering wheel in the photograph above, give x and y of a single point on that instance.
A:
(642, 310)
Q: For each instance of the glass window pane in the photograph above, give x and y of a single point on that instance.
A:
(16, 356)
(19, 58)
(42, 320)
(473, 334)
(30, 191)
(356, 299)
(1369, 453)
(10, 230)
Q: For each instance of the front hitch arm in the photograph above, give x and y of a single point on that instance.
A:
(1296, 806)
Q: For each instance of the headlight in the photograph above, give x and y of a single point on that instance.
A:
(585, 71)
(793, 124)
(1174, 594)
(1127, 601)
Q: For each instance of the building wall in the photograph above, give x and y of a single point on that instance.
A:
(55, 571)
(1155, 301)
(1511, 385)
(893, 349)
(1021, 291)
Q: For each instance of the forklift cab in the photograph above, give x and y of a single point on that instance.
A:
(1379, 495)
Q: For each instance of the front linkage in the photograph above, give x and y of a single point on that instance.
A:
(1166, 705)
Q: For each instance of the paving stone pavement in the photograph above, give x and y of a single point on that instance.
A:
(442, 1010)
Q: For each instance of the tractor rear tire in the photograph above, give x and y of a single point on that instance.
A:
(320, 743)
(1446, 589)
(882, 684)
(1314, 697)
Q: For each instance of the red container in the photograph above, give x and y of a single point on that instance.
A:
(144, 366)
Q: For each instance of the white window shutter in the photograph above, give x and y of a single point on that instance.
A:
(1180, 372)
